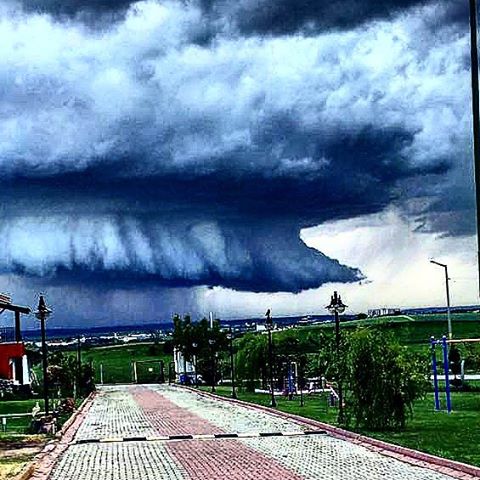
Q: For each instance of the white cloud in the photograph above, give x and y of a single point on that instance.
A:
(74, 96)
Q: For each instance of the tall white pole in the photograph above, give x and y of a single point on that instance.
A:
(449, 318)
(475, 116)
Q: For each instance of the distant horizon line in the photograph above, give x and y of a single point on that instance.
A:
(411, 310)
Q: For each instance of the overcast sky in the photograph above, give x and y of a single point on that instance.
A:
(187, 156)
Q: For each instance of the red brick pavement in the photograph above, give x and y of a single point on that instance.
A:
(168, 418)
(206, 459)
(226, 459)
(452, 468)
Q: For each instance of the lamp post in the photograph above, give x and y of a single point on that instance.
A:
(300, 382)
(269, 327)
(449, 319)
(42, 314)
(184, 366)
(211, 342)
(337, 306)
(232, 363)
(194, 347)
(79, 367)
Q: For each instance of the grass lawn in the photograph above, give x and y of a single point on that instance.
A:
(18, 425)
(117, 362)
(17, 446)
(418, 328)
(455, 436)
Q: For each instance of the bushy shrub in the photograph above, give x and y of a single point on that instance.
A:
(6, 389)
(471, 355)
(382, 379)
(63, 375)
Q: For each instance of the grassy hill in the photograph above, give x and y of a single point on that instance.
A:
(417, 329)
(117, 362)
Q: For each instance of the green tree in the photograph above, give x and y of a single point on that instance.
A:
(251, 359)
(63, 371)
(382, 379)
(187, 333)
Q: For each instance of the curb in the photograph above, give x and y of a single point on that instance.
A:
(452, 468)
(44, 462)
(74, 415)
(26, 473)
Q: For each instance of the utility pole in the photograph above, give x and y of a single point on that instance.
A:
(476, 119)
(449, 318)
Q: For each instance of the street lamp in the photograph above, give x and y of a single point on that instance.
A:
(42, 314)
(79, 367)
(184, 367)
(194, 347)
(232, 366)
(211, 341)
(269, 328)
(337, 306)
(449, 319)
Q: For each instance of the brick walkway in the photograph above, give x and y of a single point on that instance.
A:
(152, 411)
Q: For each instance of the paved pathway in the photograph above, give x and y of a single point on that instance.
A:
(155, 411)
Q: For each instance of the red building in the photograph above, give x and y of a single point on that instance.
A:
(13, 363)
(13, 358)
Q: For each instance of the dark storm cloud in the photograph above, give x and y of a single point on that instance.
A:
(71, 7)
(136, 155)
(289, 16)
(272, 17)
(126, 252)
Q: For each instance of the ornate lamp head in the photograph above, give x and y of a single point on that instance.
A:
(42, 309)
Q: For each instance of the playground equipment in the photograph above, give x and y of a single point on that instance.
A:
(446, 368)
(290, 382)
(333, 397)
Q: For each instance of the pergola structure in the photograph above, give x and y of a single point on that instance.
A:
(14, 353)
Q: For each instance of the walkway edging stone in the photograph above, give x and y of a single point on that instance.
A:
(453, 468)
(48, 457)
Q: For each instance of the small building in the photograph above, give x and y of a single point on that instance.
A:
(183, 367)
(13, 359)
(383, 312)
(14, 363)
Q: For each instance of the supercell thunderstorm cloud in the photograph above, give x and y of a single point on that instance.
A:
(165, 144)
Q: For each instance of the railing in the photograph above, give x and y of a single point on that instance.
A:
(6, 416)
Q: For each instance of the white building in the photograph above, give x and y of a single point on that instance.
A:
(381, 312)
(181, 366)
